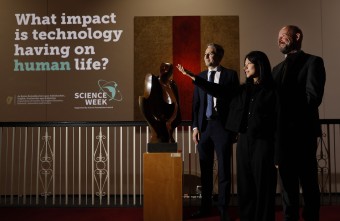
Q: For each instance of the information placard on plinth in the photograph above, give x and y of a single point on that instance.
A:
(162, 187)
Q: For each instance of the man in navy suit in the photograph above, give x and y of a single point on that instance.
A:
(300, 81)
(209, 132)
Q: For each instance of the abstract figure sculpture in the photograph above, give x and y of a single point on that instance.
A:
(160, 105)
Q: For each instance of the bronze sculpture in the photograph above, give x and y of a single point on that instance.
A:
(160, 105)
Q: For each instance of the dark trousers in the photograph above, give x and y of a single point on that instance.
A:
(256, 179)
(301, 170)
(215, 138)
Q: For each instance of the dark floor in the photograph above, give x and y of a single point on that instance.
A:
(327, 213)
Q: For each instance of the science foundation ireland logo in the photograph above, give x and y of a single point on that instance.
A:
(100, 99)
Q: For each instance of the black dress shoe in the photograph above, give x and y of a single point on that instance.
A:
(225, 216)
(200, 214)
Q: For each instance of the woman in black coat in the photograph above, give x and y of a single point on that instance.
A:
(253, 115)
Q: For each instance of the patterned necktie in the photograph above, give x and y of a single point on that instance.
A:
(210, 102)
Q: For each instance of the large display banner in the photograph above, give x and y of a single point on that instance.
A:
(58, 61)
(85, 60)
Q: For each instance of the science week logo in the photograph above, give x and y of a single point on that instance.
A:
(108, 92)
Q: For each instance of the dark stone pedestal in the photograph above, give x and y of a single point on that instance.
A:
(162, 148)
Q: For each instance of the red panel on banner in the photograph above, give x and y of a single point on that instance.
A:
(186, 51)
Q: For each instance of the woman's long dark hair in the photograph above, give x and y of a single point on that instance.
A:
(262, 67)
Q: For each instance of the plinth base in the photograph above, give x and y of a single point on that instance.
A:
(162, 187)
